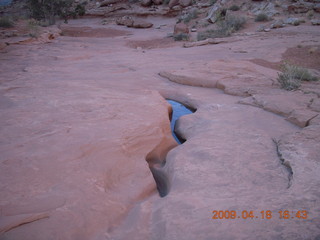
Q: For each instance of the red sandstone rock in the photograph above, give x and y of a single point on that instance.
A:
(80, 117)
(173, 3)
(146, 3)
(181, 28)
(185, 3)
(157, 2)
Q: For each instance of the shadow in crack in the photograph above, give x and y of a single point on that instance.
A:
(161, 169)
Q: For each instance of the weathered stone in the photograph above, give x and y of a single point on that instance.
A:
(126, 21)
(138, 23)
(301, 117)
(185, 3)
(173, 3)
(214, 13)
(315, 105)
(267, 8)
(2, 45)
(181, 28)
(107, 2)
(157, 2)
(315, 22)
(133, 22)
(203, 42)
(146, 3)
(292, 21)
(177, 8)
(299, 8)
(278, 24)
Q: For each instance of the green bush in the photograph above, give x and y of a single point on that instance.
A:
(48, 10)
(191, 15)
(233, 23)
(234, 8)
(212, 2)
(262, 17)
(181, 37)
(224, 28)
(33, 28)
(6, 22)
(291, 76)
(80, 10)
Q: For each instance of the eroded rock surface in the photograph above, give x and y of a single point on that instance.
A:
(84, 118)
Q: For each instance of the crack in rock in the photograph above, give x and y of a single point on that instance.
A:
(285, 163)
(11, 222)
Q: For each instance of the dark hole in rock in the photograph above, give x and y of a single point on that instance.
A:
(162, 181)
(178, 111)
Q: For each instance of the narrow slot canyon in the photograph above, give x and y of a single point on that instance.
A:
(157, 157)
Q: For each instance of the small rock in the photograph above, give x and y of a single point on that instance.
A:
(169, 35)
(107, 2)
(299, 8)
(215, 13)
(177, 8)
(265, 8)
(2, 45)
(157, 2)
(137, 23)
(293, 21)
(173, 3)
(278, 24)
(125, 20)
(261, 28)
(146, 3)
(312, 50)
(315, 105)
(315, 22)
(203, 5)
(193, 30)
(185, 3)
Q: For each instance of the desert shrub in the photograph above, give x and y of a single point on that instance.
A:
(233, 23)
(165, 2)
(234, 8)
(6, 22)
(48, 10)
(213, 2)
(211, 33)
(191, 15)
(33, 28)
(224, 28)
(206, 34)
(181, 37)
(262, 17)
(80, 10)
(291, 76)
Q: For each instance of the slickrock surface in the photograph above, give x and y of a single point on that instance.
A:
(81, 115)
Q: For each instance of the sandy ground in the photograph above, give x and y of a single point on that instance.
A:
(81, 115)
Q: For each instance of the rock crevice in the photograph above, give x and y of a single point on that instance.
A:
(285, 163)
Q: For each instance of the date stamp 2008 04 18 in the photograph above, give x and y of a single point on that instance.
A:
(265, 214)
